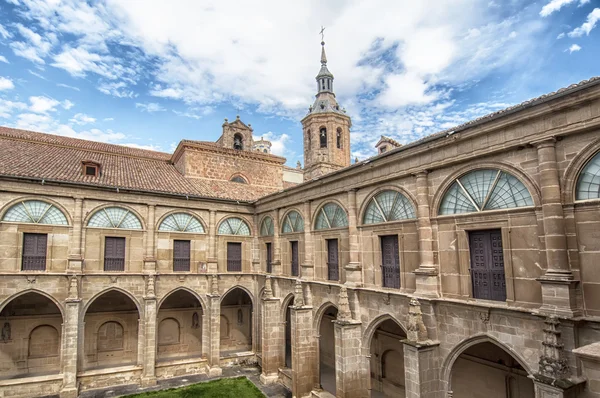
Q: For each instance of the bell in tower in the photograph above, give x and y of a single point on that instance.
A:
(326, 129)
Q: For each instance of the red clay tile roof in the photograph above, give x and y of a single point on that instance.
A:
(56, 158)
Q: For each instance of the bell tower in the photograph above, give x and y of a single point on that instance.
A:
(326, 129)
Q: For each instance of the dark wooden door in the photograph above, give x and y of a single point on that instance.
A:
(234, 256)
(487, 265)
(181, 255)
(269, 257)
(114, 254)
(333, 273)
(294, 248)
(34, 252)
(390, 258)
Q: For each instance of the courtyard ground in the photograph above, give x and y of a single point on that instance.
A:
(223, 388)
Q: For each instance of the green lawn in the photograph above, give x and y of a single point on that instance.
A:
(239, 387)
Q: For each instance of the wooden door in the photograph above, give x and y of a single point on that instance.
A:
(294, 248)
(269, 257)
(333, 273)
(390, 258)
(34, 252)
(487, 265)
(234, 256)
(181, 255)
(114, 254)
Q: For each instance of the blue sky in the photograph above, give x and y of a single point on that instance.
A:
(150, 73)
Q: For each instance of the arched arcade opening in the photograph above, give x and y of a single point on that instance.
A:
(387, 360)
(236, 322)
(327, 349)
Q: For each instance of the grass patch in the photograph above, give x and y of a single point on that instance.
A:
(239, 387)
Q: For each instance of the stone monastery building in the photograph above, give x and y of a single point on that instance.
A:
(465, 264)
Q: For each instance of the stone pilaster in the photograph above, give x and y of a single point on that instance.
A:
(212, 243)
(421, 369)
(558, 286)
(353, 268)
(75, 257)
(307, 271)
(256, 246)
(276, 264)
(349, 366)
(427, 282)
(214, 321)
(150, 314)
(304, 350)
(70, 341)
(272, 336)
(149, 252)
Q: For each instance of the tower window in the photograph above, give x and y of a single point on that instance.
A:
(308, 136)
(323, 137)
(238, 142)
(339, 138)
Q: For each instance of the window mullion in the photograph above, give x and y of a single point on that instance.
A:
(122, 219)
(28, 212)
(109, 219)
(326, 218)
(44, 213)
(468, 195)
(380, 210)
(487, 197)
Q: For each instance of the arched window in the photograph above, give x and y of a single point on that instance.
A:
(168, 332)
(43, 342)
(239, 179)
(266, 228)
(588, 183)
(110, 337)
(238, 142)
(35, 212)
(388, 206)
(485, 189)
(181, 222)
(292, 222)
(114, 217)
(234, 226)
(331, 216)
(338, 138)
(323, 137)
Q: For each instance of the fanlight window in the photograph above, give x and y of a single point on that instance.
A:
(266, 228)
(181, 222)
(482, 190)
(588, 184)
(388, 206)
(35, 212)
(331, 216)
(292, 222)
(115, 217)
(234, 226)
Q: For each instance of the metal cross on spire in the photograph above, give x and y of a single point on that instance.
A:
(322, 33)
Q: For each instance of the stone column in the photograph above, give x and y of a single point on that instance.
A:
(214, 321)
(70, 341)
(350, 382)
(277, 267)
(272, 336)
(558, 286)
(75, 257)
(150, 314)
(305, 357)
(353, 269)
(427, 283)
(149, 256)
(212, 265)
(256, 245)
(308, 268)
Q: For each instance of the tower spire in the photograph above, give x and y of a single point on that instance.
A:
(323, 56)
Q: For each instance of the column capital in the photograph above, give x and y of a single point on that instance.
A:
(420, 174)
(545, 142)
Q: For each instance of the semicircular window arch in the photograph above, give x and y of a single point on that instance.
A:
(266, 227)
(234, 226)
(588, 183)
(35, 212)
(331, 216)
(485, 189)
(292, 222)
(388, 206)
(114, 217)
(181, 222)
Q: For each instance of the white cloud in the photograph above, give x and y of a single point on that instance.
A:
(148, 147)
(4, 33)
(108, 119)
(195, 113)
(280, 144)
(588, 25)
(67, 104)
(560, 36)
(6, 83)
(36, 47)
(150, 107)
(573, 48)
(43, 104)
(406, 89)
(3, 59)
(67, 86)
(556, 5)
(116, 89)
(8, 107)
(81, 119)
(40, 76)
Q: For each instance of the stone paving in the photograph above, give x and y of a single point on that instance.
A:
(252, 373)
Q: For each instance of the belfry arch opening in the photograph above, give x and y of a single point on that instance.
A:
(327, 349)
(236, 323)
(30, 337)
(387, 361)
(485, 370)
(179, 327)
(111, 331)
